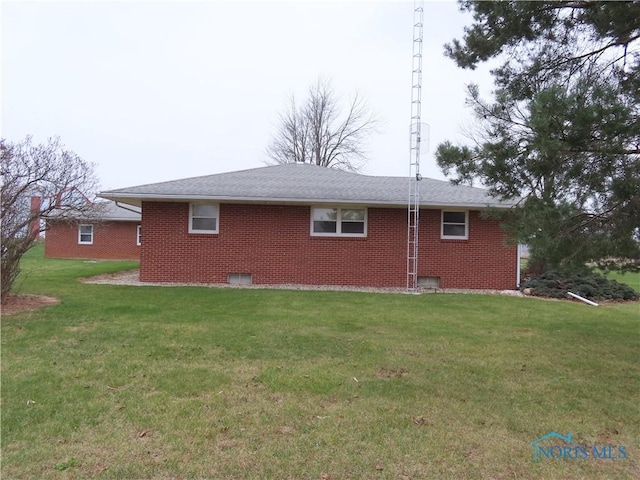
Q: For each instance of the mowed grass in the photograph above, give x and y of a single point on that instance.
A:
(630, 278)
(121, 382)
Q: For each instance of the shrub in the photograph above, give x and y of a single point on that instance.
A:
(586, 284)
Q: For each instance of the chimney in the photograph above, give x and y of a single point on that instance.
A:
(34, 223)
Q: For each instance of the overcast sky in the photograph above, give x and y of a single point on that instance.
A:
(153, 90)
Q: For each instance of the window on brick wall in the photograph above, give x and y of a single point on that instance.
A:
(455, 225)
(139, 235)
(344, 222)
(203, 218)
(85, 234)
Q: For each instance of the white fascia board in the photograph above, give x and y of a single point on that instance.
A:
(120, 219)
(136, 199)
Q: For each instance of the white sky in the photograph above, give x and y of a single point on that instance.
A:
(153, 91)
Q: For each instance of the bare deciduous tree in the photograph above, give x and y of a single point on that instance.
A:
(318, 132)
(48, 171)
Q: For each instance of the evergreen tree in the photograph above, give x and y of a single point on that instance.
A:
(562, 131)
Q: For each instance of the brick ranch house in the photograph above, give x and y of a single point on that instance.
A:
(105, 232)
(309, 225)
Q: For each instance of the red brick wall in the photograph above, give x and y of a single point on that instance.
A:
(273, 243)
(485, 260)
(111, 241)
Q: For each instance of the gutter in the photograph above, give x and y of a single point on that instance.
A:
(139, 197)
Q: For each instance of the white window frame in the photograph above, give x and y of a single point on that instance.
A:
(466, 225)
(139, 235)
(191, 217)
(338, 232)
(80, 241)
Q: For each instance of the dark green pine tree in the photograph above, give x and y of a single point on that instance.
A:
(562, 131)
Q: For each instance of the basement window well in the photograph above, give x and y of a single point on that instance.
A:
(429, 282)
(239, 279)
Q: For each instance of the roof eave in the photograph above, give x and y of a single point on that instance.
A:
(136, 199)
(120, 219)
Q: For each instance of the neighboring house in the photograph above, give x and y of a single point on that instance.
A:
(106, 232)
(309, 225)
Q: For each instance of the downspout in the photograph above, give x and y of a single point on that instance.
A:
(518, 268)
(578, 297)
(126, 208)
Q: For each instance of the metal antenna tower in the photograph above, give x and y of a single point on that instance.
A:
(413, 207)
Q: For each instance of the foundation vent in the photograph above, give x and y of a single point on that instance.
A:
(429, 282)
(239, 279)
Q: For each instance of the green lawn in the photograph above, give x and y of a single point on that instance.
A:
(630, 278)
(121, 382)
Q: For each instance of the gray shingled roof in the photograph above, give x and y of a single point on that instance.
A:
(306, 184)
(102, 211)
(113, 211)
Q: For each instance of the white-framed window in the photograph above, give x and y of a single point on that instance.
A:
(455, 224)
(203, 217)
(342, 222)
(85, 234)
(139, 235)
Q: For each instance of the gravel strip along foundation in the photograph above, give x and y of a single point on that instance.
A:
(132, 277)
